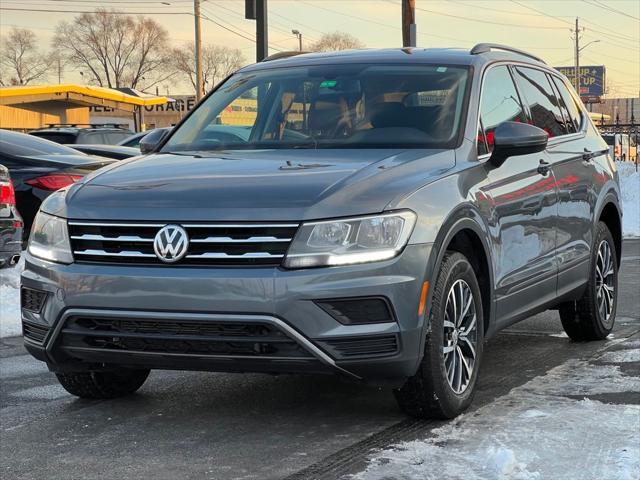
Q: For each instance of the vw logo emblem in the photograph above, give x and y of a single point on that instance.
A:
(171, 243)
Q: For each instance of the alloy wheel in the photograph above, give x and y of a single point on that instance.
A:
(605, 282)
(460, 336)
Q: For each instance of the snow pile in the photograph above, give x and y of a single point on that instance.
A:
(510, 439)
(630, 189)
(10, 324)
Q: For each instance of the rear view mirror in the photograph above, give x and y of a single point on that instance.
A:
(152, 140)
(514, 138)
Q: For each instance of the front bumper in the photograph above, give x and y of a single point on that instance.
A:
(281, 300)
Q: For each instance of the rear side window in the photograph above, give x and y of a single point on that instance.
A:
(91, 138)
(116, 137)
(574, 112)
(58, 137)
(500, 103)
(542, 101)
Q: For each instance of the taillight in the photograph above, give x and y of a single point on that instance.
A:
(54, 181)
(7, 194)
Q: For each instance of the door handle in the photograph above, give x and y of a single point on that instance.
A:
(543, 168)
(588, 155)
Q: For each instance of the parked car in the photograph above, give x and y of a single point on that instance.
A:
(10, 222)
(91, 134)
(116, 152)
(133, 141)
(39, 167)
(389, 212)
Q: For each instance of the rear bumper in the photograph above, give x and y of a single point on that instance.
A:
(10, 239)
(280, 299)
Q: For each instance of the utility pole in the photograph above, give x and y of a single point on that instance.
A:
(298, 34)
(576, 74)
(409, 23)
(262, 31)
(198, 48)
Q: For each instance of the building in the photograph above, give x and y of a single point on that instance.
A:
(621, 110)
(28, 107)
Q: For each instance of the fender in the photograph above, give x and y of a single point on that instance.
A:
(466, 216)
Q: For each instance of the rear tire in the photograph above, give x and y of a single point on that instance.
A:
(103, 385)
(593, 315)
(443, 387)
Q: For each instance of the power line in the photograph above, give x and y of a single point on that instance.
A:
(609, 8)
(109, 12)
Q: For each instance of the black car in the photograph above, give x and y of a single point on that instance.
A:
(116, 152)
(92, 134)
(10, 222)
(39, 167)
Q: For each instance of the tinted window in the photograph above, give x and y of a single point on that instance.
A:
(330, 106)
(21, 145)
(542, 101)
(569, 102)
(58, 137)
(91, 138)
(115, 137)
(500, 103)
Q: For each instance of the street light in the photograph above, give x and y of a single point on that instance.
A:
(585, 46)
(298, 34)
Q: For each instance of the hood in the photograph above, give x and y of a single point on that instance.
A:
(254, 185)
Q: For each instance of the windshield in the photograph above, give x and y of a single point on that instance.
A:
(329, 106)
(23, 145)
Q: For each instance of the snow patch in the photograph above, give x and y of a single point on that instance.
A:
(630, 190)
(509, 440)
(622, 356)
(10, 322)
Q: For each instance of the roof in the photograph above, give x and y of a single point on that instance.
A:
(79, 95)
(449, 56)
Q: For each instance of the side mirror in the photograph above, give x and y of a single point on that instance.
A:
(150, 141)
(513, 138)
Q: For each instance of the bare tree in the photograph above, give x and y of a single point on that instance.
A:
(217, 63)
(116, 50)
(336, 41)
(20, 61)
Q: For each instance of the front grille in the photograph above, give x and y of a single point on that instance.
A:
(369, 346)
(32, 300)
(239, 339)
(34, 332)
(239, 244)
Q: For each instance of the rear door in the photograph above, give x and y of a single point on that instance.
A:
(523, 210)
(553, 108)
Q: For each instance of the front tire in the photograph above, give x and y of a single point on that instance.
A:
(593, 315)
(444, 384)
(103, 385)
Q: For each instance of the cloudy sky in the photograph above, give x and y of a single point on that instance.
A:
(540, 26)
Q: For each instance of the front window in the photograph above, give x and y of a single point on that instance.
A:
(330, 106)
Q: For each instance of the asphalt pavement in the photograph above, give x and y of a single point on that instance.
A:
(191, 425)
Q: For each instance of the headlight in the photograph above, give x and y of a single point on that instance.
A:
(50, 239)
(351, 240)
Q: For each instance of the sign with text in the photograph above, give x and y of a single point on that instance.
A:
(592, 81)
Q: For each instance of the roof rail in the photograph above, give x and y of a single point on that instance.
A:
(487, 47)
(279, 55)
(91, 125)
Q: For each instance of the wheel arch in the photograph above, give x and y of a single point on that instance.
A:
(610, 214)
(464, 231)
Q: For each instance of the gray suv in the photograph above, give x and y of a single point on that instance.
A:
(377, 214)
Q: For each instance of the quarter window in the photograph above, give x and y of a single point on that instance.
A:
(500, 103)
(542, 102)
(575, 113)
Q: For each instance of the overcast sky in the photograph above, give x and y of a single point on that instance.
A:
(540, 26)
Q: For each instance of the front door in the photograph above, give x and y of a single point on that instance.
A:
(523, 208)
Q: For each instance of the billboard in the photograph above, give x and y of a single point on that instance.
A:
(592, 81)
